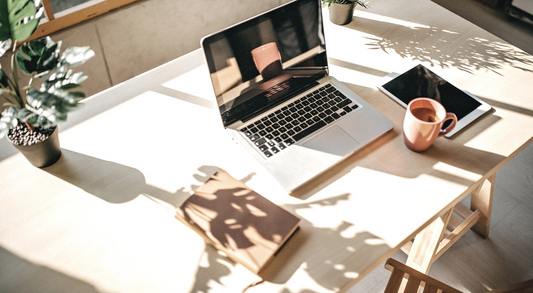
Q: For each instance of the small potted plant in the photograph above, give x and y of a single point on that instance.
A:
(31, 113)
(341, 11)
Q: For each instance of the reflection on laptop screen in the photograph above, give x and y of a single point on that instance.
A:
(261, 62)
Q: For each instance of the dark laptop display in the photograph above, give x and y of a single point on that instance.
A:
(260, 63)
(277, 100)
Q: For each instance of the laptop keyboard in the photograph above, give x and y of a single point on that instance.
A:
(275, 132)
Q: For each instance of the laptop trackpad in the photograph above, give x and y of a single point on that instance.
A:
(334, 141)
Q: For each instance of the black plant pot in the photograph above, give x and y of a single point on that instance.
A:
(42, 154)
(341, 14)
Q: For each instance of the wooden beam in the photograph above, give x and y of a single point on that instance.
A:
(481, 199)
(76, 17)
(48, 10)
(426, 243)
(457, 233)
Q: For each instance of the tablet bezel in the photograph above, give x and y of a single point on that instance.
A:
(482, 109)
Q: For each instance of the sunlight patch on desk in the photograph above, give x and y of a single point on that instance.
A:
(373, 195)
(194, 82)
(450, 32)
(350, 76)
(300, 278)
(325, 220)
(375, 241)
(325, 207)
(456, 172)
(519, 117)
(351, 275)
(99, 235)
(350, 231)
(381, 18)
(152, 145)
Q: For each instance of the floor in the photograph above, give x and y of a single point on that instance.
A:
(126, 47)
(495, 21)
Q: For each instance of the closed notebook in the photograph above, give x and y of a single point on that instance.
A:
(233, 218)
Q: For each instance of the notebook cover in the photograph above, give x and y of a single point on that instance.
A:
(233, 218)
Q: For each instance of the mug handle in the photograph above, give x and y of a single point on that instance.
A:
(449, 116)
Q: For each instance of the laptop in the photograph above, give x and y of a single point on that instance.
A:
(277, 100)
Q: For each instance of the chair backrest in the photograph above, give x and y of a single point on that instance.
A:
(414, 280)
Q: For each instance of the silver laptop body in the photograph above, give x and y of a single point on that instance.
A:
(277, 100)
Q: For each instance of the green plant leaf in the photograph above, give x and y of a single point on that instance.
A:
(8, 120)
(39, 56)
(75, 56)
(52, 102)
(69, 86)
(77, 77)
(63, 77)
(3, 79)
(18, 19)
(5, 46)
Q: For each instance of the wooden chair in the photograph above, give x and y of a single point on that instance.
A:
(415, 280)
(405, 279)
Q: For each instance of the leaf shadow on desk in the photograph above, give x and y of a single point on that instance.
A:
(316, 259)
(425, 44)
(31, 277)
(215, 266)
(116, 183)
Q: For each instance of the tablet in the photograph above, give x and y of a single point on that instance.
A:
(419, 81)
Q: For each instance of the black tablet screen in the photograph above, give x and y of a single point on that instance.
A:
(421, 82)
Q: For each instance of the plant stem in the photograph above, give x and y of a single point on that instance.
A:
(30, 127)
(10, 96)
(15, 81)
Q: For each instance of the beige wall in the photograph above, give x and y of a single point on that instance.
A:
(143, 35)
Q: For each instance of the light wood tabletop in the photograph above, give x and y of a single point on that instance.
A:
(102, 218)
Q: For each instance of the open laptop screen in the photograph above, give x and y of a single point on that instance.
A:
(259, 63)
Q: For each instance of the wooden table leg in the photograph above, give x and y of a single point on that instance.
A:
(481, 199)
(423, 251)
(425, 248)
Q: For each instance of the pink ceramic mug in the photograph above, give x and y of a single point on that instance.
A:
(267, 60)
(423, 122)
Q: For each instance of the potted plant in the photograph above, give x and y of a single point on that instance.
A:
(31, 113)
(341, 11)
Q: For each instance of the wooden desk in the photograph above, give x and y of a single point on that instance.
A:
(102, 218)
